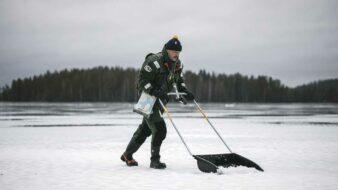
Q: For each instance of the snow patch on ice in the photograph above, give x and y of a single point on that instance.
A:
(236, 170)
(295, 154)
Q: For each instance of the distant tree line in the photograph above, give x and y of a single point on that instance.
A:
(116, 84)
(77, 85)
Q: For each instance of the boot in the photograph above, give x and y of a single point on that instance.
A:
(155, 159)
(129, 160)
(156, 164)
(127, 156)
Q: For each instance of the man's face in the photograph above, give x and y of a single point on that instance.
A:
(173, 55)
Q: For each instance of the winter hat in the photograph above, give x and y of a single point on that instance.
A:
(173, 44)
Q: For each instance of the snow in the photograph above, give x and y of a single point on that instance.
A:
(77, 146)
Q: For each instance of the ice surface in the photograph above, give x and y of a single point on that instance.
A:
(78, 145)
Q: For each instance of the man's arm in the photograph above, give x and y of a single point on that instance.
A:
(182, 87)
(147, 75)
(180, 83)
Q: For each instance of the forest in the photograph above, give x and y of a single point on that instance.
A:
(116, 84)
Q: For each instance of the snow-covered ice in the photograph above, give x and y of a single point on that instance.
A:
(78, 145)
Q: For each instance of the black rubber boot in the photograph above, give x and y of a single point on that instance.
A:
(156, 164)
(155, 159)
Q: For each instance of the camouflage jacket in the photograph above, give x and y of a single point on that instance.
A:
(156, 72)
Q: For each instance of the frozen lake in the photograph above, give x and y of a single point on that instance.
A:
(78, 145)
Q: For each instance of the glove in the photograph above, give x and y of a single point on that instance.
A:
(158, 93)
(164, 99)
(161, 93)
(189, 96)
(182, 100)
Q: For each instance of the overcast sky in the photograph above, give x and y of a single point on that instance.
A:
(295, 41)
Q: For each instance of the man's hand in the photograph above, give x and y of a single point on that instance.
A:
(164, 99)
(158, 92)
(182, 100)
(189, 96)
(161, 93)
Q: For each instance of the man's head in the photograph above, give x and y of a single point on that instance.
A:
(173, 55)
(173, 48)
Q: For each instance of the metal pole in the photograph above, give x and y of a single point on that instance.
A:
(172, 122)
(212, 126)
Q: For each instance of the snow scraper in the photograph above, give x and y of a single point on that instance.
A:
(210, 162)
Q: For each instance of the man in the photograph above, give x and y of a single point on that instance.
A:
(158, 74)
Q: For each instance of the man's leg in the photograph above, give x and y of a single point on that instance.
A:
(158, 131)
(136, 141)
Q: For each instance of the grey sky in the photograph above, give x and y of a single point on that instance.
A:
(295, 41)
